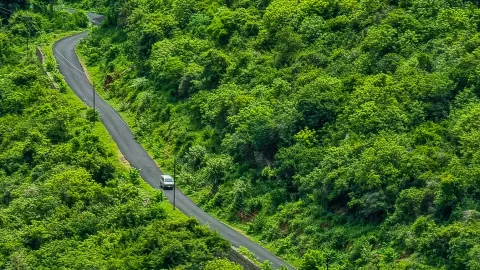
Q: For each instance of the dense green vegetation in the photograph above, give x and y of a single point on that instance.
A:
(345, 132)
(66, 202)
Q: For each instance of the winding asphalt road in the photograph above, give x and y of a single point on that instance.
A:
(70, 67)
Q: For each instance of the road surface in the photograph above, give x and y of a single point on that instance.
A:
(71, 69)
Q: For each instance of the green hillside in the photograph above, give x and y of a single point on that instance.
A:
(66, 201)
(341, 134)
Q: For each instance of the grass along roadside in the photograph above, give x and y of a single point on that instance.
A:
(243, 228)
(98, 129)
(77, 104)
(95, 77)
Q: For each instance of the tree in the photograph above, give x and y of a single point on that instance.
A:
(222, 264)
(4, 43)
(280, 14)
(319, 102)
(51, 4)
(316, 259)
(216, 170)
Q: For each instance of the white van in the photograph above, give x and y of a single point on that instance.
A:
(166, 181)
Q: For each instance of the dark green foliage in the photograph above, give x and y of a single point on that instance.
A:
(64, 203)
(342, 131)
(65, 200)
(92, 115)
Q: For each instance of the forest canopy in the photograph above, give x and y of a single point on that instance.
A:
(66, 201)
(344, 132)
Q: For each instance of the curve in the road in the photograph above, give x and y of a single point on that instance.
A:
(71, 69)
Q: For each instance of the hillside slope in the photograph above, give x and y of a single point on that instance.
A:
(66, 201)
(343, 132)
(137, 156)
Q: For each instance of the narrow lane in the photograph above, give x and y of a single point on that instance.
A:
(71, 69)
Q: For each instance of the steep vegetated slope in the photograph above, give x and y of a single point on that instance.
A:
(66, 202)
(345, 132)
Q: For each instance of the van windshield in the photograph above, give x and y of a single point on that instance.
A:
(168, 180)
